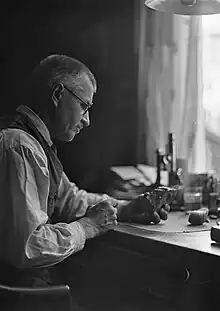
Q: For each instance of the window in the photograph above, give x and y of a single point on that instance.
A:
(211, 71)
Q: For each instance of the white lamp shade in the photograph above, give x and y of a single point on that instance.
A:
(185, 7)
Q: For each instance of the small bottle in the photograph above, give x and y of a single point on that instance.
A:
(205, 195)
(172, 158)
(213, 202)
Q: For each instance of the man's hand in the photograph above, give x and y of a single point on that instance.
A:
(101, 218)
(148, 207)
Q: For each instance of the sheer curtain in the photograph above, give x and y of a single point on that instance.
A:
(211, 90)
(170, 87)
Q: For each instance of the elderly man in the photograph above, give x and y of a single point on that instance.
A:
(44, 218)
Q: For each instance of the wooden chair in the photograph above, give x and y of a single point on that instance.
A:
(52, 298)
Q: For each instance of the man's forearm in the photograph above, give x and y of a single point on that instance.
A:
(51, 244)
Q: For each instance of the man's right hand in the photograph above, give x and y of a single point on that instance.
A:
(99, 219)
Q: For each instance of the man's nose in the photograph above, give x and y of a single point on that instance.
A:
(85, 120)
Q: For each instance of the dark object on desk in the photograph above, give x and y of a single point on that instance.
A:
(198, 217)
(215, 233)
(162, 195)
(53, 298)
(214, 212)
(211, 216)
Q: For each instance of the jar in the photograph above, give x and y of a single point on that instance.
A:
(213, 196)
(193, 198)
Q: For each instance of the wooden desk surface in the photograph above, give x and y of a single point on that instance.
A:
(176, 231)
(145, 240)
(195, 241)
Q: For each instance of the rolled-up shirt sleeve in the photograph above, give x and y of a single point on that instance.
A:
(26, 238)
(50, 244)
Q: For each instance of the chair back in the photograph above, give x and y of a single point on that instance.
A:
(53, 298)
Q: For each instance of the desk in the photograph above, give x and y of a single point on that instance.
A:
(196, 242)
(154, 262)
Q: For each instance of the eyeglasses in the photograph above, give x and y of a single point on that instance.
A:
(83, 104)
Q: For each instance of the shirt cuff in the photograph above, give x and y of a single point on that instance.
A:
(81, 234)
(89, 228)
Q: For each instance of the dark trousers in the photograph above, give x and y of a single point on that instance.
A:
(13, 276)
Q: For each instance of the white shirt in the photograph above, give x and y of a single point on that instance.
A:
(26, 240)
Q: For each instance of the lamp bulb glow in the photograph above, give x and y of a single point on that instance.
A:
(188, 2)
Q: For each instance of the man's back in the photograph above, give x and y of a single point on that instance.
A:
(22, 163)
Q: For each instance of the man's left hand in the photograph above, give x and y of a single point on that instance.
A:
(147, 208)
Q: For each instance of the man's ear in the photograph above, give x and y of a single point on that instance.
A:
(57, 92)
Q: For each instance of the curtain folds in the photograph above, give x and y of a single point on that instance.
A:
(170, 87)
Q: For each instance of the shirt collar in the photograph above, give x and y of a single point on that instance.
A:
(38, 123)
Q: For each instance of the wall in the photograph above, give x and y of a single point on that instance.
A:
(99, 33)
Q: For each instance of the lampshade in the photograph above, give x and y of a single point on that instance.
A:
(185, 7)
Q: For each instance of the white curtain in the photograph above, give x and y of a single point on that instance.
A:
(170, 87)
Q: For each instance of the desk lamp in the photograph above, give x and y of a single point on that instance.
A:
(185, 7)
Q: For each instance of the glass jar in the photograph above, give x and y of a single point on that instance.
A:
(193, 198)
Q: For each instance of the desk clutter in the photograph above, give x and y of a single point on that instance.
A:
(193, 208)
(177, 222)
(203, 190)
(198, 202)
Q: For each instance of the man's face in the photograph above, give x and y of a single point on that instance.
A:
(72, 112)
